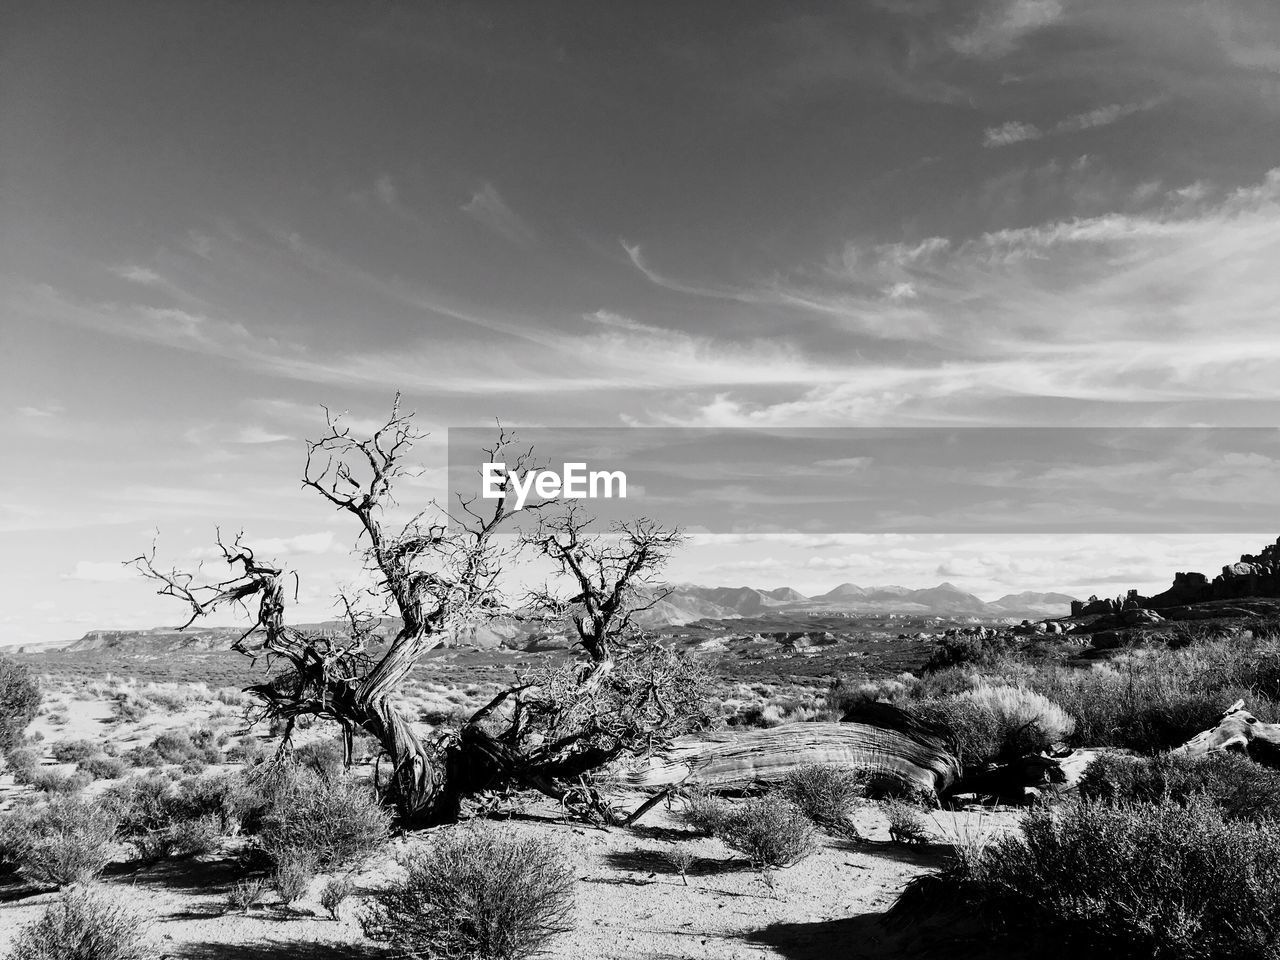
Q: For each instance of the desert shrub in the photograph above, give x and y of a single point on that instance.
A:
(172, 700)
(994, 723)
(175, 746)
(143, 758)
(245, 894)
(19, 702)
(334, 893)
(476, 892)
(704, 812)
(1239, 787)
(57, 718)
(162, 819)
(231, 696)
(72, 751)
(223, 796)
(681, 857)
(128, 708)
(825, 793)
(340, 821)
(964, 651)
(1145, 880)
(325, 757)
(248, 752)
(21, 762)
(85, 924)
(906, 823)
(293, 873)
(1150, 699)
(102, 767)
(182, 838)
(59, 782)
(770, 831)
(68, 840)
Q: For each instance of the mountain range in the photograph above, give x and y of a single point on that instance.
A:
(686, 602)
(682, 603)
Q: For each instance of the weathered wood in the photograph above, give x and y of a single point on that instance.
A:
(740, 760)
(1045, 772)
(1241, 731)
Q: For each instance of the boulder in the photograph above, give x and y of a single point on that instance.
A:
(1135, 616)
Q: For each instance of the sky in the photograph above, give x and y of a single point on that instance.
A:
(215, 218)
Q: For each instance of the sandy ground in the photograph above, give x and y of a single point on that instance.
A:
(630, 902)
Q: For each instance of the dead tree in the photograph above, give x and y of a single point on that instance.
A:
(624, 696)
(549, 731)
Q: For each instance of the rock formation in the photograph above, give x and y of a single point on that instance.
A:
(1253, 576)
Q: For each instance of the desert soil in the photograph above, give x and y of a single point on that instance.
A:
(630, 902)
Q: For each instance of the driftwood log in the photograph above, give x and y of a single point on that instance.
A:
(1238, 730)
(733, 760)
(1029, 776)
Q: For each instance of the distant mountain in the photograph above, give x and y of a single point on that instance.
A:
(1031, 605)
(786, 595)
(682, 603)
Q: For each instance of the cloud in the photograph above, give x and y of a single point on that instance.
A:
(45, 412)
(310, 544)
(1010, 133)
(109, 571)
(1002, 26)
(256, 435)
(135, 274)
(488, 208)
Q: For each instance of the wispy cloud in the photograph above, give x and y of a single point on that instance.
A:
(95, 571)
(487, 207)
(1003, 24)
(1010, 133)
(1016, 131)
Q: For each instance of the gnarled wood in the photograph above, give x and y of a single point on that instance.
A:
(1241, 731)
(740, 760)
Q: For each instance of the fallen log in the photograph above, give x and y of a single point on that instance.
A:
(1030, 776)
(741, 760)
(1238, 730)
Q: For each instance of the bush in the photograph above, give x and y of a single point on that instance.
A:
(67, 841)
(86, 924)
(476, 892)
(72, 751)
(334, 892)
(130, 709)
(906, 823)
(1141, 880)
(825, 793)
(294, 871)
(57, 782)
(340, 820)
(998, 723)
(704, 812)
(175, 746)
(103, 767)
(163, 819)
(770, 830)
(19, 701)
(245, 894)
(143, 758)
(21, 762)
(1239, 787)
(325, 757)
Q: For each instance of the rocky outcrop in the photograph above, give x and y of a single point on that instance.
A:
(1253, 576)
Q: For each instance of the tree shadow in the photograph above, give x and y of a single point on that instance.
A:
(944, 937)
(653, 861)
(189, 875)
(849, 937)
(279, 950)
(916, 855)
